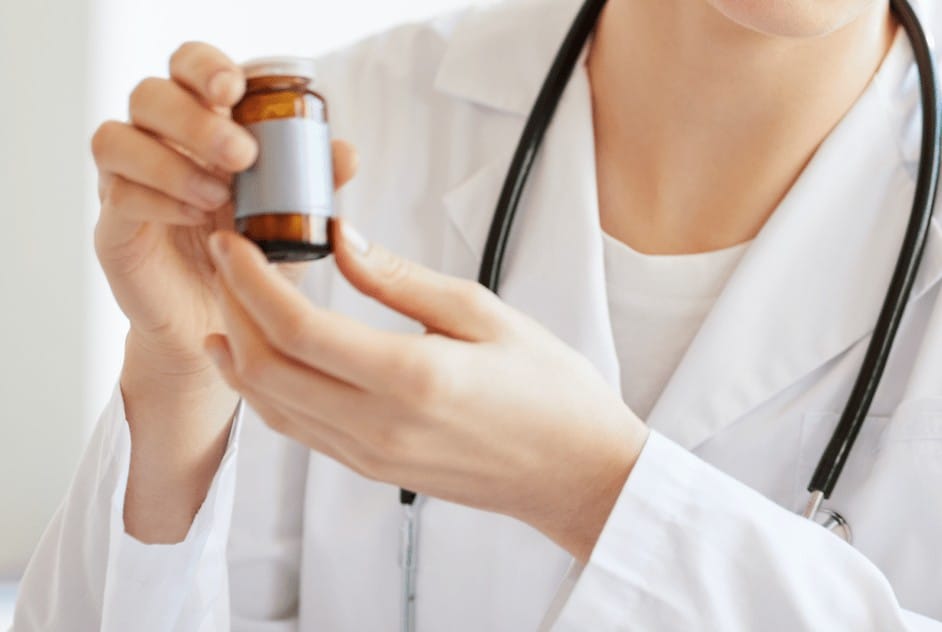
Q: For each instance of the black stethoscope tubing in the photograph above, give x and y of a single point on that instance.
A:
(855, 411)
(835, 455)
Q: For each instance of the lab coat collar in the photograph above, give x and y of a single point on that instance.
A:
(499, 53)
(553, 269)
(812, 282)
(497, 57)
(809, 286)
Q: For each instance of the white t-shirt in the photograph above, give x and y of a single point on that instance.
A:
(657, 303)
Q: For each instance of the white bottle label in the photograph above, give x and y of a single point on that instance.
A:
(293, 172)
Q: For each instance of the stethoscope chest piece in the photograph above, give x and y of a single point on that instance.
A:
(835, 523)
(828, 518)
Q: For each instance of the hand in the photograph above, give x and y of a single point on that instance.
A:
(164, 184)
(487, 408)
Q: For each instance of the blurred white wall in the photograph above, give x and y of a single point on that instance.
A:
(65, 66)
(44, 75)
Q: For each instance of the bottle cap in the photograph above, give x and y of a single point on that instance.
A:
(280, 67)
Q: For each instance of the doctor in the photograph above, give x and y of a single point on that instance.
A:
(621, 440)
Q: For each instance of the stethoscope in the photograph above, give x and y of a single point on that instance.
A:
(838, 449)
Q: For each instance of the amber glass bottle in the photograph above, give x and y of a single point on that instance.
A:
(283, 201)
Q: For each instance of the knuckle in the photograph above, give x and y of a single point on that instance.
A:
(103, 179)
(210, 128)
(399, 439)
(202, 129)
(116, 192)
(293, 331)
(475, 298)
(387, 445)
(106, 192)
(388, 438)
(426, 387)
(98, 240)
(143, 93)
(104, 138)
(394, 271)
(423, 383)
(184, 52)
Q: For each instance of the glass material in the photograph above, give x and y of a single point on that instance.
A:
(283, 236)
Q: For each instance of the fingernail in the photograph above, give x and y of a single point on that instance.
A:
(353, 237)
(218, 245)
(238, 149)
(210, 190)
(224, 87)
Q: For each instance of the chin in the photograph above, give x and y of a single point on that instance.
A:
(793, 18)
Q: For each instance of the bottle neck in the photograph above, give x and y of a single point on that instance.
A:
(278, 82)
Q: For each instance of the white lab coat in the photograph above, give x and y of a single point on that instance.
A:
(704, 534)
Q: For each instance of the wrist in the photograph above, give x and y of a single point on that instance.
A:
(602, 472)
(174, 403)
(179, 413)
(175, 366)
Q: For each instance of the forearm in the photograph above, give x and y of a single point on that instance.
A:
(179, 415)
(689, 547)
(87, 573)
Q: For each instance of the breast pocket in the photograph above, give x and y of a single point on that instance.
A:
(916, 430)
(890, 492)
(913, 434)
(816, 430)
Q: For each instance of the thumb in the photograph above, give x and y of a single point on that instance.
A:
(445, 304)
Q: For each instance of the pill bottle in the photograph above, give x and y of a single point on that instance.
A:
(283, 202)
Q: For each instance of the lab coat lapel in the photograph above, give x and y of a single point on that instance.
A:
(808, 287)
(555, 266)
(492, 61)
(812, 282)
(553, 269)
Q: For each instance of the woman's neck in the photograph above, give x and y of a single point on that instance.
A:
(702, 126)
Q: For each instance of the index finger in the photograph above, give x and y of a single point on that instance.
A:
(327, 341)
(207, 72)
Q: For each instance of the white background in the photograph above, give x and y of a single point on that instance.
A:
(65, 66)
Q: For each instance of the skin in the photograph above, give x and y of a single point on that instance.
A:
(794, 19)
(408, 409)
(156, 176)
(702, 161)
(211, 320)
